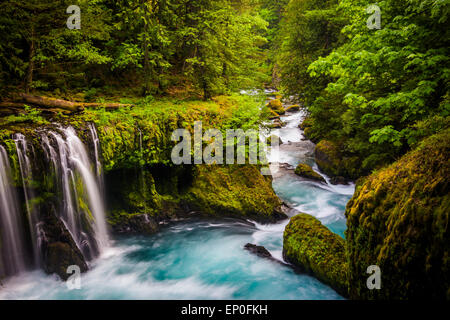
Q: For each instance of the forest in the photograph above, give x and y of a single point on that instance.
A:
(376, 93)
(356, 91)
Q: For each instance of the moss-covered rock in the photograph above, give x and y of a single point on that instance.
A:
(277, 124)
(306, 123)
(234, 190)
(313, 248)
(126, 223)
(273, 115)
(398, 219)
(274, 137)
(276, 106)
(293, 108)
(304, 170)
(328, 158)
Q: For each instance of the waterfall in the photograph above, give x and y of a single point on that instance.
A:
(96, 142)
(27, 177)
(13, 251)
(82, 210)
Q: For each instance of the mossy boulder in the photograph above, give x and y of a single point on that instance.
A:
(277, 124)
(293, 108)
(304, 170)
(313, 248)
(274, 137)
(273, 115)
(308, 122)
(398, 219)
(234, 190)
(276, 106)
(328, 158)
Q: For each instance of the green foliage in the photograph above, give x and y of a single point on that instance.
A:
(152, 44)
(377, 93)
(309, 29)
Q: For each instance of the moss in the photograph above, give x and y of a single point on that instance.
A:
(273, 137)
(328, 158)
(277, 124)
(276, 106)
(313, 248)
(306, 123)
(233, 190)
(294, 107)
(398, 220)
(273, 115)
(306, 171)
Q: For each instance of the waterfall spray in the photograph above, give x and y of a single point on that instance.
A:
(13, 250)
(26, 175)
(83, 211)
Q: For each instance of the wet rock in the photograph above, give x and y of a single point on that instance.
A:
(59, 250)
(277, 124)
(304, 170)
(273, 115)
(338, 180)
(135, 224)
(260, 251)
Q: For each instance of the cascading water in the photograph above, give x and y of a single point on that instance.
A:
(13, 250)
(27, 177)
(82, 210)
(96, 143)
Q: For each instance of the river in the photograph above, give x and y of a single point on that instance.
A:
(205, 259)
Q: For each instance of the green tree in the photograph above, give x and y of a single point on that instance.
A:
(387, 84)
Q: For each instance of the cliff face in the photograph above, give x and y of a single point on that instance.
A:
(398, 220)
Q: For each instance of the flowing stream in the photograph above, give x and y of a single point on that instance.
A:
(199, 259)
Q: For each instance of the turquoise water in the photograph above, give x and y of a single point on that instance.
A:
(199, 259)
(187, 260)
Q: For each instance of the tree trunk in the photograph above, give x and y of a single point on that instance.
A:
(30, 70)
(49, 103)
(146, 52)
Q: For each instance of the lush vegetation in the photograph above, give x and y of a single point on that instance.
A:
(374, 92)
(398, 220)
(153, 46)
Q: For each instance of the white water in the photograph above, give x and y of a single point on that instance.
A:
(72, 164)
(13, 258)
(27, 177)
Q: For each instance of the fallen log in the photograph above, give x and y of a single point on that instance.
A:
(17, 109)
(52, 105)
(45, 102)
